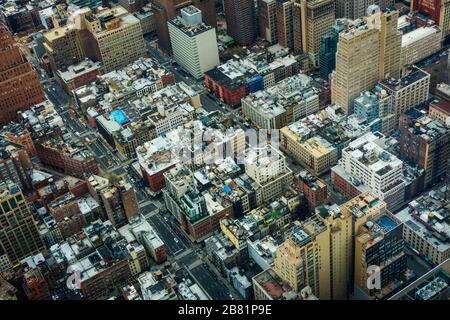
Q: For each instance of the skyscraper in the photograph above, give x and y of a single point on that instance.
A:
(312, 19)
(318, 253)
(328, 48)
(267, 20)
(111, 35)
(367, 52)
(390, 41)
(166, 10)
(241, 20)
(284, 23)
(194, 43)
(356, 65)
(19, 83)
(19, 236)
(378, 245)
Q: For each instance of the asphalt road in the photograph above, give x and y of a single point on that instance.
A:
(208, 282)
(167, 234)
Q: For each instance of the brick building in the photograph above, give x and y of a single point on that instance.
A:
(19, 84)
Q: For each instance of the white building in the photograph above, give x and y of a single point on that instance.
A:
(194, 43)
(378, 170)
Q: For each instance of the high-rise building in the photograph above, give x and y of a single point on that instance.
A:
(367, 52)
(420, 43)
(425, 142)
(241, 20)
(116, 36)
(19, 83)
(267, 20)
(318, 253)
(15, 164)
(390, 41)
(376, 108)
(357, 68)
(35, 285)
(111, 35)
(311, 21)
(378, 245)
(194, 43)
(166, 10)
(19, 236)
(432, 8)
(328, 48)
(63, 47)
(284, 23)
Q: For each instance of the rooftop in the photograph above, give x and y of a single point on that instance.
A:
(423, 125)
(364, 204)
(274, 100)
(411, 76)
(418, 35)
(428, 216)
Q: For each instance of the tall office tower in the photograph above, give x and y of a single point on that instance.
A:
(194, 43)
(378, 245)
(241, 20)
(318, 253)
(339, 226)
(267, 20)
(328, 48)
(426, 143)
(166, 10)
(312, 19)
(19, 84)
(357, 68)
(19, 236)
(111, 35)
(355, 9)
(284, 23)
(131, 5)
(116, 36)
(390, 40)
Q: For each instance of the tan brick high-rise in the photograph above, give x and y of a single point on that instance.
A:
(314, 19)
(19, 84)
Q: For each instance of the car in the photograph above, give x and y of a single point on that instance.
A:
(176, 240)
